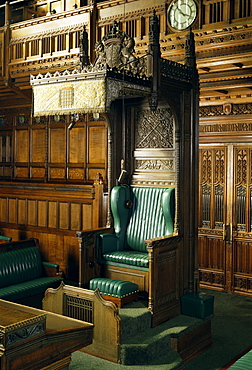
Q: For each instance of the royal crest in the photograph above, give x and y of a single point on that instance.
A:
(115, 49)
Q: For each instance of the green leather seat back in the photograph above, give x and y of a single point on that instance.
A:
(20, 265)
(151, 215)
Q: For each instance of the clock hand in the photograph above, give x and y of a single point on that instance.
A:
(180, 11)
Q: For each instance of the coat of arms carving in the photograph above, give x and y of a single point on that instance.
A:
(116, 49)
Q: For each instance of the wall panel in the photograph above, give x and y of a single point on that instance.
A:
(32, 213)
(38, 145)
(64, 215)
(22, 146)
(42, 213)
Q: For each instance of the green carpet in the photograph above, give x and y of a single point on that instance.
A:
(231, 331)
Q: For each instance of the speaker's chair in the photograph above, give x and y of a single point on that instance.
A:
(142, 247)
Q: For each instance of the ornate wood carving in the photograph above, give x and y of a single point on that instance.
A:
(155, 129)
(219, 110)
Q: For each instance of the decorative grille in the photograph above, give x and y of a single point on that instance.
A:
(78, 308)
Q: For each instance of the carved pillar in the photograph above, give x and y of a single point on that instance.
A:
(154, 60)
(92, 31)
(6, 43)
(177, 174)
(110, 141)
(190, 60)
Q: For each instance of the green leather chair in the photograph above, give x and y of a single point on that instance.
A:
(139, 213)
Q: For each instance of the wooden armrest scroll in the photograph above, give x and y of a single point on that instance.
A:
(163, 241)
(92, 232)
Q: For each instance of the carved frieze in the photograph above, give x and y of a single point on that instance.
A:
(221, 110)
(212, 232)
(175, 70)
(12, 333)
(155, 165)
(226, 35)
(211, 277)
(48, 33)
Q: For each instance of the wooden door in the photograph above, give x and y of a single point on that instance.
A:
(225, 232)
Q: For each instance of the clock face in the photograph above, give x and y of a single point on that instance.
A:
(182, 13)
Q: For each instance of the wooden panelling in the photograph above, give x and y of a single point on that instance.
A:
(64, 216)
(31, 212)
(38, 145)
(37, 173)
(42, 214)
(77, 145)
(57, 145)
(22, 211)
(52, 215)
(75, 216)
(97, 139)
(57, 173)
(21, 172)
(243, 257)
(48, 151)
(22, 146)
(3, 209)
(86, 219)
(76, 174)
(12, 208)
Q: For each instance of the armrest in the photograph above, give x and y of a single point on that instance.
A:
(93, 232)
(91, 238)
(163, 241)
(51, 269)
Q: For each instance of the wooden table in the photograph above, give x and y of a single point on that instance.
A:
(33, 339)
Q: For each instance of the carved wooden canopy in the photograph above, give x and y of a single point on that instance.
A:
(116, 73)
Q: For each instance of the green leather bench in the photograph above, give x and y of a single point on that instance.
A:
(118, 291)
(24, 277)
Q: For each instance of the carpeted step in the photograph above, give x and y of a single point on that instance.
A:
(169, 361)
(136, 318)
(154, 342)
(80, 361)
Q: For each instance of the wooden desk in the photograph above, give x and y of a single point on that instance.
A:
(33, 339)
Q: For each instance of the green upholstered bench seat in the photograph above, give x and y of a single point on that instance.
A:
(29, 288)
(244, 363)
(117, 291)
(23, 275)
(133, 258)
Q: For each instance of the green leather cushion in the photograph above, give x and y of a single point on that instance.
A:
(29, 288)
(114, 288)
(19, 265)
(134, 258)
